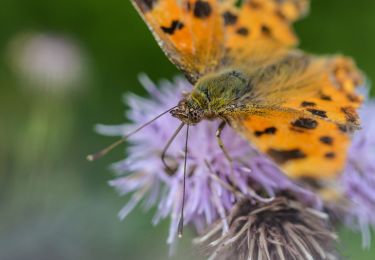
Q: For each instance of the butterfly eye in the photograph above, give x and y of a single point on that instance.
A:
(195, 116)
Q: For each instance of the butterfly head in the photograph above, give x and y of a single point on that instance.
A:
(188, 112)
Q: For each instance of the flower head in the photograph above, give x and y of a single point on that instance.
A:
(212, 188)
(47, 61)
(281, 229)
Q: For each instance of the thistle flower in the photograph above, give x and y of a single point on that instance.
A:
(281, 229)
(210, 194)
(252, 197)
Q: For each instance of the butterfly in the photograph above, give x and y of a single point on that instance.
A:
(298, 109)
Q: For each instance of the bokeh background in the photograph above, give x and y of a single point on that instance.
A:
(64, 66)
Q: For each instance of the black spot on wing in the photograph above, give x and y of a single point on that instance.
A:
(229, 18)
(343, 128)
(308, 104)
(268, 131)
(266, 30)
(330, 155)
(145, 5)
(243, 31)
(317, 112)
(326, 140)
(283, 156)
(202, 9)
(325, 97)
(175, 25)
(281, 15)
(255, 5)
(306, 123)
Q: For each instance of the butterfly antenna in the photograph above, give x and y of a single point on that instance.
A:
(96, 156)
(181, 223)
(170, 141)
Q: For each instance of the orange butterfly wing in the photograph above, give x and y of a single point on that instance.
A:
(201, 36)
(308, 135)
(189, 31)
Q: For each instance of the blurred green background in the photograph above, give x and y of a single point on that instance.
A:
(64, 66)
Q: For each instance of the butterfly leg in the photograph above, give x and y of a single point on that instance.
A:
(221, 145)
(225, 185)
